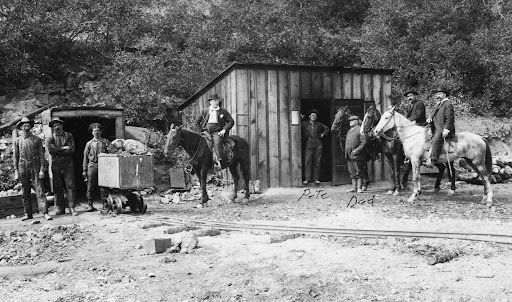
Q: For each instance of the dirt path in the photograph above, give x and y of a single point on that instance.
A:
(107, 263)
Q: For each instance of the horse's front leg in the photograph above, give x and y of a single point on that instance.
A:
(415, 179)
(405, 178)
(396, 173)
(234, 172)
(202, 178)
(451, 171)
(391, 163)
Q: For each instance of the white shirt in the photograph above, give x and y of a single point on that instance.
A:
(212, 119)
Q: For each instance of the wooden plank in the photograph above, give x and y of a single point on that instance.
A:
(377, 91)
(274, 151)
(253, 126)
(347, 86)
(367, 88)
(305, 85)
(241, 103)
(356, 86)
(284, 128)
(81, 112)
(386, 82)
(262, 123)
(327, 85)
(316, 85)
(337, 86)
(296, 150)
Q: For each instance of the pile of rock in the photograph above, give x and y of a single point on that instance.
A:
(501, 171)
(50, 242)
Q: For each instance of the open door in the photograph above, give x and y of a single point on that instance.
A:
(340, 175)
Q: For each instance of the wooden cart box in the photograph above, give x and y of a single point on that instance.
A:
(12, 204)
(125, 171)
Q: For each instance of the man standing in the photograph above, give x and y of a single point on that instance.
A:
(313, 131)
(442, 122)
(416, 110)
(356, 155)
(93, 147)
(61, 147)
(216, 121)
(29, 167)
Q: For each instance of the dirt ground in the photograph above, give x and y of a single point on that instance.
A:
(95, 257)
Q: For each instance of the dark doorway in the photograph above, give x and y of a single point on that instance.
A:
(324, 108)
(79, 128)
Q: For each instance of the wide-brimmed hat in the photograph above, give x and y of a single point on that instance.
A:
(213, 97)
(353, 118)
(314, 111)
(412, 90)
(55, 120)
(442, 89)
(25, 120)
(95, 126)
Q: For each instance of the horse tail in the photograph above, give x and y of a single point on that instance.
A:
(488, 156)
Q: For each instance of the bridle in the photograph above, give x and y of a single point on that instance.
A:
(382, 133)
(188, 168)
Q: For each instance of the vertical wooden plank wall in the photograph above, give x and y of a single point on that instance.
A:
(284, 129)
(274, 150)
(263, 148)
(242, 103)
(296, 152)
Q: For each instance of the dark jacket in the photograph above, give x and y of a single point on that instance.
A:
(417, 113)
(314, 130)
(354, 143)
(444, 117)
(224, 119)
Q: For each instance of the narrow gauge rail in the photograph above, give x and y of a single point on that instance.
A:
(333, 232)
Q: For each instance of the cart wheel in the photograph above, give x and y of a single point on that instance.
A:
(117, 205)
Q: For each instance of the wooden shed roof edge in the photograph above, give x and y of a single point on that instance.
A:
(91, 108)
(236, 65)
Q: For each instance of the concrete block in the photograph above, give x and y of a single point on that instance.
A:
(157, 245)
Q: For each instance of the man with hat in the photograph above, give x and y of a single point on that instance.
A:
(29, 167)
(356, 155)
(312, 132)
(93, 147)
(416, 111)
(217, 122)
(61, 147)
(442, 122)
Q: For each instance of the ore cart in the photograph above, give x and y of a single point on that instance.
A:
(123, 177)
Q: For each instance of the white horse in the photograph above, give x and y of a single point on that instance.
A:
(472, 147)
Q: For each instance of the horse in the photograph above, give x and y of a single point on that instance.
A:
(472, 147)
(340, 125)
(390, 145)
(201, 158)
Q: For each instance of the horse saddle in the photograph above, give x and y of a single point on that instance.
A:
(226, 147)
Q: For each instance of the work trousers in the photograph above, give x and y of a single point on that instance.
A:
(29, 176)
(64, 177)
(92, 182)
(214, 130)
(313, 158)
(437, 144)
(356, 168)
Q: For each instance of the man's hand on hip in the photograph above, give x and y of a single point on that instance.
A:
(222, 132)
(445, 132)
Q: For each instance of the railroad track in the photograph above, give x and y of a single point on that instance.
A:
(323, 231)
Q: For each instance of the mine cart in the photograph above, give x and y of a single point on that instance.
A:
(124, 177)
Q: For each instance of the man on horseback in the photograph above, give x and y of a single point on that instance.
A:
(217, 122)
(442, 122)
(313, 131)
(416, 111)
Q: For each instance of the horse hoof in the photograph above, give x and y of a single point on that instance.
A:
(390, 192)
(245, 200)
(436, 190)
(232, 198)
(450, 192)
(396, 193)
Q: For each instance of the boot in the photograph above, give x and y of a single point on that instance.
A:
(71, 202)
(354, 186)
(58, 199)
(91, 207)
(364, 186)
(26, 217)
(360, 185)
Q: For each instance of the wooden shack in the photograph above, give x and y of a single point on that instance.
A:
(269, 101)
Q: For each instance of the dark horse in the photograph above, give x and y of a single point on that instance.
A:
(390, 145)
(201, 158)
